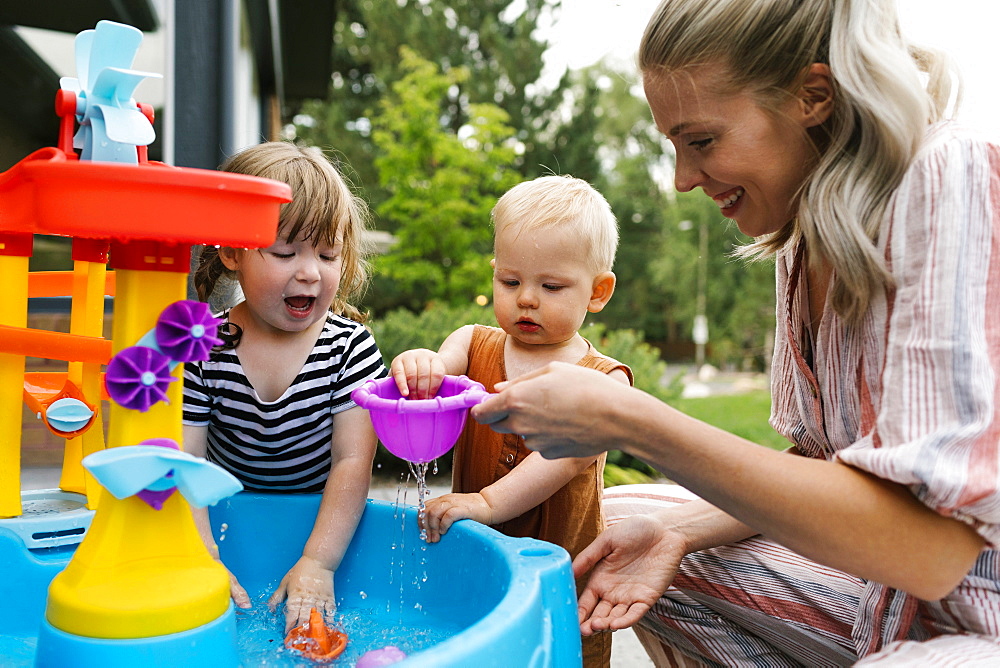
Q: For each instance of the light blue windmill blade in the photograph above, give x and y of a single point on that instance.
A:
(96, 147)
(115, 85)
(127, 126)
(81, 55)
(127, 470)
(113, 45)
(70, 83)
(203, 483)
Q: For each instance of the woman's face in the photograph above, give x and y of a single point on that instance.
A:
(749, 160)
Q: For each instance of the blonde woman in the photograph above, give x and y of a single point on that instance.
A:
(818, 129)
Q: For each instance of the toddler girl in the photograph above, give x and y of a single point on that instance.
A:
(274, 406)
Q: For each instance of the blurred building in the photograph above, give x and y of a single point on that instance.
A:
(233, 69)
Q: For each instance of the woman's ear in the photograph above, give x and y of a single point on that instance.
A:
(230, 258)
(600, 294)
(815, 96)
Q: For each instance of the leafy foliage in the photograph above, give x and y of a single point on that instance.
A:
(402, 330)
(441, 187)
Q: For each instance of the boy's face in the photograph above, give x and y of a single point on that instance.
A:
(543, 286)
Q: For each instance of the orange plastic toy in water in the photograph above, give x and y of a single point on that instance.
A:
(315, 640)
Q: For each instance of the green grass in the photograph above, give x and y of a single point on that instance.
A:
(742, 414)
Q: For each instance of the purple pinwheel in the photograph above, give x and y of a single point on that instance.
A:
(186, 331)
(138, 377)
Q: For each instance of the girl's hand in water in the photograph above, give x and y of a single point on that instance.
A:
(418, 373)
(445, 510)
(307, 585)
(559, 410)
(239, 595)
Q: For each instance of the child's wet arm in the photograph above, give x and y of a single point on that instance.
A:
(195, 443)
(530, 483)
(454, 351)
(346, 489)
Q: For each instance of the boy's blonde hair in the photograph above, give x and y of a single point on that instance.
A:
(322, 208)
(551, 201)
(885, 93)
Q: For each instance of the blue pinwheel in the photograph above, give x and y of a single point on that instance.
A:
(111, 125)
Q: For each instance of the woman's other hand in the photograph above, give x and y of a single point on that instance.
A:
(631, 564)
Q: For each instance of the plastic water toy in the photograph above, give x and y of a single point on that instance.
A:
(142, 538)
(109, 570)
(484, 599)
(110, 124)
(385, 656)
(315, 640)
(419, 430)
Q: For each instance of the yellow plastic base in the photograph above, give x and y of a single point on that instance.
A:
(139, 573)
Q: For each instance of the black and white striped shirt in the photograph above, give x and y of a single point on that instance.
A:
(281, 445)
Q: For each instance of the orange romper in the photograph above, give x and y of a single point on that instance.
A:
(572, 517)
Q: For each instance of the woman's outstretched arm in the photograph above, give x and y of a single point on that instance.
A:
(826, 511)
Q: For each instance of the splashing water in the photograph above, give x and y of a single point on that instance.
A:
(260, 634)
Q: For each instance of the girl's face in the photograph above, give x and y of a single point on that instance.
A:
(542, 285)
(749, 160)
(288, 286)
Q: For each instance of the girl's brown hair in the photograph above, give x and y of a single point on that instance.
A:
(322, 209)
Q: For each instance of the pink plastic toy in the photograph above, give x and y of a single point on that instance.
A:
(419, 430)
(381, 657)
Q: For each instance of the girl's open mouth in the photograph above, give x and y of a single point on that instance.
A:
(528, 326)
(300, 306)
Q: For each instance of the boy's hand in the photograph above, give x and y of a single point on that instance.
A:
(418, 373)
(445, 510)
(307, 585)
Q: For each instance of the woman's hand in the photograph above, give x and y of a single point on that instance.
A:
(445, 510)
(558, 409)
(633, 563)
(307, 585)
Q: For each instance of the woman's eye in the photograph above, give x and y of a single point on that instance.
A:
(700, 144)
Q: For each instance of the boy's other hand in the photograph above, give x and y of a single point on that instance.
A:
(445, 510)
(418, 373)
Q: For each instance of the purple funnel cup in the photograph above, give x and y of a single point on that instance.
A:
(138, 377)
(419, 430)
(186, 331)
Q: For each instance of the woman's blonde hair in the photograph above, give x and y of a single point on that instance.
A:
(548, 201)
(322, 209)
(885, 93)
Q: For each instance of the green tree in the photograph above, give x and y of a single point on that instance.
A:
(440, 186)
(739, 296)
(494, 40)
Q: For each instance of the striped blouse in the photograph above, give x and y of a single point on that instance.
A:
(281, 445)
(911, 393)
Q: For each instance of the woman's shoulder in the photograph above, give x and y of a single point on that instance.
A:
(952, 159)
(948, 140)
